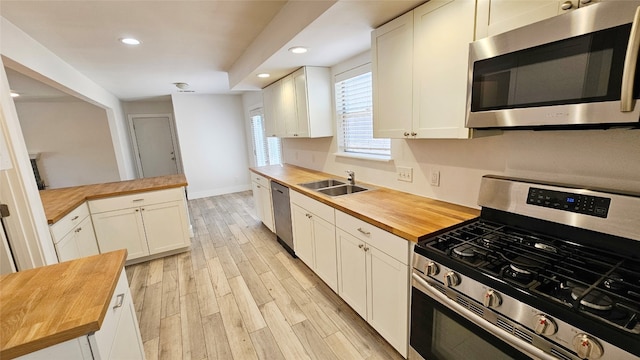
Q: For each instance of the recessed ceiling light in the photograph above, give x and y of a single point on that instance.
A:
(263, 75)
(130, 41)
(14, 94)
(298, 49)
(181, 85)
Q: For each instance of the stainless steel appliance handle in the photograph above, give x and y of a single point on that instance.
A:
(530, 350)
(630, 61)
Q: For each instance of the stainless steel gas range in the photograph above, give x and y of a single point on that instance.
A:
(547, 271)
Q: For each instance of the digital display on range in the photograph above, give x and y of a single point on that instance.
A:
(577, 203)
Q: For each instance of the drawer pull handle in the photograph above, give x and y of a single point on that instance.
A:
(365, 232)
(119, 301)
(75, 218)
(137, 200)
(78, 229)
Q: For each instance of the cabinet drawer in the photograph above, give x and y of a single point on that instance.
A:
(103, 338)
(261, 180)
(135, 200)
(384, 241)
(325, 212)
(68, 222)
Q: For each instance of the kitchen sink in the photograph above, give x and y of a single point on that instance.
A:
(342, 190)
(321, 184)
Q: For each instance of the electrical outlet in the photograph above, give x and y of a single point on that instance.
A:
(405, 173)
(435, 178)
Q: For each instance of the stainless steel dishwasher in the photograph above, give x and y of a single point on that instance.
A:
(282, 216)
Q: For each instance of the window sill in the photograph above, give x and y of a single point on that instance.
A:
(370, 157)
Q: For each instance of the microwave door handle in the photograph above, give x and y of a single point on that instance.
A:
(630, 61)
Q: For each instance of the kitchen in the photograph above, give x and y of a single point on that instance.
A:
(598, 158)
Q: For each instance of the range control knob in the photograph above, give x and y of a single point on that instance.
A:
(451, 279)
(587, 347)
(492, 299)
(544, 325)
(431, 269)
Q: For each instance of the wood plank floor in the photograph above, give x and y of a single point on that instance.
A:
(238, 295)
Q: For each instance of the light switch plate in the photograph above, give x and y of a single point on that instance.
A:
(405, 173)
(435, 178)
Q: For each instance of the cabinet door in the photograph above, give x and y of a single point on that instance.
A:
(287, 107)
(352, 277)
(127, 343)
(505, 15)
(269, 96)
(267, 207)
(165, 226)
(302, 111)
(86, 238)
(257, 199)
(302, 234)
(325, 252)
(392, 72)
(441, 67)
(387, 295)
(67, 248)
(121, 229)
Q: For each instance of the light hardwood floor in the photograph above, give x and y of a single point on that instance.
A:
(238, 295)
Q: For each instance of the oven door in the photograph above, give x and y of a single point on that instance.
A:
(443, 330)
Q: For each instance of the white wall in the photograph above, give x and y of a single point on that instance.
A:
(211, 132)
(250, 100)
(596, 158)
(22, 53)
(73, 140)
(160, 106)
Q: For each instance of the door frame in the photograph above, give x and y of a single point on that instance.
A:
(134, 141)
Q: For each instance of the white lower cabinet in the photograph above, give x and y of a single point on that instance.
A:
(261, 187)
(145, 224)
(73, 235)
(373, 277)
(118, 337)
(314, 236)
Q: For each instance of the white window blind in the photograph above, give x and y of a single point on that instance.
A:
(354, 103)
(267, 150)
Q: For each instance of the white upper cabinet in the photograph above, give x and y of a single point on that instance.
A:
(299, 105)
(443, 30)
(420, 65)
(498, 16)
(392, 72)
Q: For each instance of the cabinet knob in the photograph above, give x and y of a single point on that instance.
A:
(361, 246)
(78, 229)
(137, 210)
(414, 133)
(406, 133)
(366, 248)
(566, 5)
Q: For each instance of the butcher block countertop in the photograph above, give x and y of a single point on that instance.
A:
(409, 216)
(48, 305)
(59, 202)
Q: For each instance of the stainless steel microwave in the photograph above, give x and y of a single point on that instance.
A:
(575, 70)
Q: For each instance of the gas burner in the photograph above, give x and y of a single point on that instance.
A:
(520, 270)
(464, 251)
(614, 282)
(594, 299)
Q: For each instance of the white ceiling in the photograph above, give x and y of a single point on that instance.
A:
(203, 43)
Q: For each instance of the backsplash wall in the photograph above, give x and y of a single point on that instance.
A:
(596, 158)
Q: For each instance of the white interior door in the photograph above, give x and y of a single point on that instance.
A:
(155, 145)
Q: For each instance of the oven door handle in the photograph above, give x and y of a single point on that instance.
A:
(422, 285)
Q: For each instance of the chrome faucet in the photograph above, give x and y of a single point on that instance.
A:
(351, 177)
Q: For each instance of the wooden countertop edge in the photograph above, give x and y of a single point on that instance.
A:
(69, 334)
(326, 200)
(89, 196)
